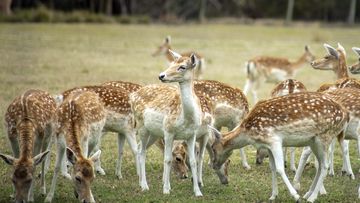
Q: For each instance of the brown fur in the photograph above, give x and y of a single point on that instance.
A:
(290, 86)
(348, 98)
(126, 86)
(341, 83)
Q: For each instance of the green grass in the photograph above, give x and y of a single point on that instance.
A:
(55, 57)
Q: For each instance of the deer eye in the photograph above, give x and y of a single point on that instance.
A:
(181, 68)
(78, 179)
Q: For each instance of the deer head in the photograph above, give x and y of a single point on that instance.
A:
(355, 69)
(23, 173)
(82, 174)
(180, 70)
(179, 160)
(220, 157)
(309, 57)
(163, 49)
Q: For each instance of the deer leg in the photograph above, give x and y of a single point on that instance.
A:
(321, 155)
(292, 159)
(46, 146)
(192, 159)
(275, 191)
(244, 159)
(344, 144)
(331, 158)
(60, 154)
(144, 139)
(314, 146)
(203, 141)
(304, 156)
(131, 139)
(168, 144)
(247, 87)
(277, 152)
(121, 142)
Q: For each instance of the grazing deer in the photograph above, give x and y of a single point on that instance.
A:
(355, 69)
(81, 118)
(163, 111)
(273, 70)
(119, 117)
(30, 121)
(285, 87)
(165, 48)
(295, 120)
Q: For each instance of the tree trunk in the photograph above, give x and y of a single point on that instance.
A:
(289, 12)
(92, 6)
(109, 7)
(123, 7)
(5, 7)
(352, 12)
(202, 11)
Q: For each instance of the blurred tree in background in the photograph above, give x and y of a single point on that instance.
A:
(182, 10)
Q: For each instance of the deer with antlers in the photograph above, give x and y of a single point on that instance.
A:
(30, 124)
(163, 111)
(272, 70)
(81, 118)
(119, 118)
(285, 87)
(165, 48)
(294, 120)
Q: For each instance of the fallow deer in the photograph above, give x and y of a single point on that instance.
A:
(285, 87)
(294, 120)
(81, 118)
(272, 70)
(164, 50)
(349, 98)
(163, 111)
(119, 117)
(355, 68)
(30, 124)
(130, 87)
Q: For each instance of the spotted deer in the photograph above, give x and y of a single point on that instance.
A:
(170, 113)
(165, 48)
(119, 118)
(285, 87)
(294, 120)
(355, 68)
(81, 118)
(272, 70)
(339, 84)
(30, 125)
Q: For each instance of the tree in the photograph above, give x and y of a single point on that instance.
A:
(289, 12)
(352, 12)
(5, 7)
(202, 11)
(108, 7)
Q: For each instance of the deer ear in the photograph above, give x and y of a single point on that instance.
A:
(307, 48)
(216, 133)
(167, 39)
(70, 156)
(331, 50)
(40, 157)
(356, 50)
(193, 60)
(175, 55)
(8, 159)
(96, 156)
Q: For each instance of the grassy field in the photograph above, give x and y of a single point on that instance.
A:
(57, 57)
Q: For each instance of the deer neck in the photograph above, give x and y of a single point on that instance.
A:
(190, 107)
(299, 63)
(236, 139)
(26, 142)
(341, 69)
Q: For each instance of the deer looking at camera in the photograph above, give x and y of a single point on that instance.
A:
(29, 121)
(163, 111)
(355, 68)
(272, 70)
(165, 48)
(119, 118)
(81, 118)
(294, 120)
(285, 87)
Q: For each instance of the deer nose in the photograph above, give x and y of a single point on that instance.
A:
(161, 76)
(83, 201)
(312, 63)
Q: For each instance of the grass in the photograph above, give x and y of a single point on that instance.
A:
(55, 57)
